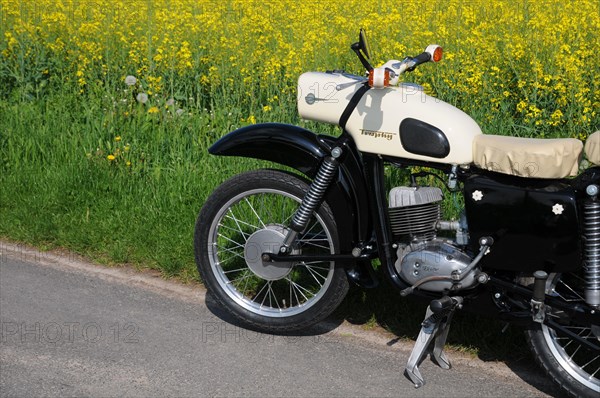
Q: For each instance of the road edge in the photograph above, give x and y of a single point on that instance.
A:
(195, 292)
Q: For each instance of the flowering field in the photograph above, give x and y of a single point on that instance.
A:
(529, 64)
(107, 107)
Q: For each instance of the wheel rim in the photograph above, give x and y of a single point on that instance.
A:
(261, 215)
(580, 362)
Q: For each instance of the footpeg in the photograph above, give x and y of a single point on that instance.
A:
(434, 329)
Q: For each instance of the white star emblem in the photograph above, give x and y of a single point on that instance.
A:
(558, 209)
(477, 195)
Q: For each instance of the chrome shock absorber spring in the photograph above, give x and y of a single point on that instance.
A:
(591, 252)
(315, 194)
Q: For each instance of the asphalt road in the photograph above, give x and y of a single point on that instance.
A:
(69, 328)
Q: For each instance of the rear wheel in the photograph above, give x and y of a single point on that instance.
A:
(247, 216)
(571, 364)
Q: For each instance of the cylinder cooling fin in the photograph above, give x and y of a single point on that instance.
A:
(414, 212)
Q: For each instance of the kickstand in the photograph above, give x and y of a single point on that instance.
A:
(434, 328)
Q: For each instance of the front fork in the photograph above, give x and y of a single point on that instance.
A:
(374, 172)
(313, 199)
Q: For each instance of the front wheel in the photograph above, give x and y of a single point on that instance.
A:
(247, 216)
(571, 364)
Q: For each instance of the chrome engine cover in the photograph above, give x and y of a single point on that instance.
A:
(435, 258)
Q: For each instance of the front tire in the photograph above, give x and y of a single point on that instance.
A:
(572, 365)
(248, 215)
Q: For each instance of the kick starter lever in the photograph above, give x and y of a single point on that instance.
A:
(434, 329)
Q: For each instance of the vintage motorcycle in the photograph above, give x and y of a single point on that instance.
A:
(277, 249)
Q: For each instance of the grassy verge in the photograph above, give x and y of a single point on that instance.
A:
(59, 188)
(61, 185)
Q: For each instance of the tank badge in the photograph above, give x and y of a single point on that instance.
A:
(477, 195)
(558, 209)
(378, 134)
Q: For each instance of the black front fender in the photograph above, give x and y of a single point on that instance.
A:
(303, 150)
(285, 144)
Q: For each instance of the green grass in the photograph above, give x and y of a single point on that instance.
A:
(59, 190)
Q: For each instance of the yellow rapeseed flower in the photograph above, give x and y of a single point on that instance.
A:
(118, 138)
(194, 46)
(110, 158)
(557, 115)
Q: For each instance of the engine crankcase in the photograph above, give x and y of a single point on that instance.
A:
(435, 258)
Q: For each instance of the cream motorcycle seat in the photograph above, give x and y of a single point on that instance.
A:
(533, 157)
(592, 148)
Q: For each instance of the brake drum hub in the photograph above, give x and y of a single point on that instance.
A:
(267, 240)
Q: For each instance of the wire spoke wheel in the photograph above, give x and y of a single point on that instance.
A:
(572, 364)
(273, 289)
(247, 217)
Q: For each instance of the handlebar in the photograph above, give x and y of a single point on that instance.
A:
(420, 59)
(389, 73)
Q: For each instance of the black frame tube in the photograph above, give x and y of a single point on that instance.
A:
(375, 173)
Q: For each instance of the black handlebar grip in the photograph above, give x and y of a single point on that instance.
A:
(422, 58)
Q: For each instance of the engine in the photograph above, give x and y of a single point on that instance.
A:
(415, 218)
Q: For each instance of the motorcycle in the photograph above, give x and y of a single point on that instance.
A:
(278, 249)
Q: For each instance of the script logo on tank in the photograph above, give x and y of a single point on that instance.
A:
(378, 134)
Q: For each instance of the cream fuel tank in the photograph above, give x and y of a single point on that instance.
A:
(415, 126)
